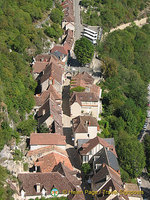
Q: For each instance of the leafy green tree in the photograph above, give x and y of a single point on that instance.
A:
(84, 50)
(77, 89)
(86, 168)
(43, 129)
(56, 15)
(131, 155)
(147, 151)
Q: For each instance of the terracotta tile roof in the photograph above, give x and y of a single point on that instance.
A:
(52, 71)
(48, 162)
(40, 99)
(60, 49)
(46, 180)
(68, 11)
(38, 67)
(46, 58)
(95, 89)
(83, 97)
(94, 142)
(83, 76)
(81, 123)
(46, 150)
(47, 139)
(69, 40)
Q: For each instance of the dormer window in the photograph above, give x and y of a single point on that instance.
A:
(43, 111)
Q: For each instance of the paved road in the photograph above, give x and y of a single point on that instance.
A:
(78, 25)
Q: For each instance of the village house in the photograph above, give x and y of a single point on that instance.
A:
(105, 156)
(40, 62)
(68, 20)
(47, 163)
(39, 185)
(52, 75)
(85, 103)
(39, 140)
(33, 155)
(107, 182)
(84, 127)
(40, 99)
(50, 113)
(93, 146)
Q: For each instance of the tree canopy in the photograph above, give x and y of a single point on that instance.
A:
(131, 155)
(84, 50)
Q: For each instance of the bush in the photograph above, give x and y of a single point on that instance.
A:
(86, 168)
(25, 166)
(77, 89)
(17, 155)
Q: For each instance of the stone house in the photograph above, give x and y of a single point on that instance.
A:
(50, 113)
(39, 140)
(52, 75)
(93, 146)
(84, 127)
(85, 103)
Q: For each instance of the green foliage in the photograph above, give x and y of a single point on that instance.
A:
(131, 155)
(43, 129)
(55, 198)
(109, 13)
(147, 151)
(84, 50)
(25, 166)
(17, 155)
(56, 15)
(124, 176)
(77, 89)
(5, 192)
(86, 168)
(26, 127)
(55, 31)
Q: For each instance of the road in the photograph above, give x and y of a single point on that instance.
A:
(78, 25)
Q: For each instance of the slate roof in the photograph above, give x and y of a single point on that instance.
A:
(47, 139)
(49, 161)
(81, 142)
(83, 97)
(46, 180)
(94, 142)
(52, 71)
(107, 157)
(111, 141)
(80, 124)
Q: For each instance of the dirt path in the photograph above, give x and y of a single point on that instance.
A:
(139, 23)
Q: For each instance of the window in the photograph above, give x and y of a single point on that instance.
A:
(85, 158)
(88, 135)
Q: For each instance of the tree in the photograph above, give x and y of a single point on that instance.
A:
(86, 168)
(77, 89)
(131, 155)
(84, 50)
(56, 15)
(147, 151)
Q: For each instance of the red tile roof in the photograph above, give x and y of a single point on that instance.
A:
(46, 150)
(38, 67)
(88, 146)
(47, 139)
(61, 49)
(48, 162)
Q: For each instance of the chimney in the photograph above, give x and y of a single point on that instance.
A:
(124, 185)
(38, 187)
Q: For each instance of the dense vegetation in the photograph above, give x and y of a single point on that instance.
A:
(147, 152)
(84, 50)
(5, 191)
(19, 41)
(110, 13)
(126, 68)
(55, 198)
(53, 29)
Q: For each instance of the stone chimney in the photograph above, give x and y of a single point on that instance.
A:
(38, 189)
